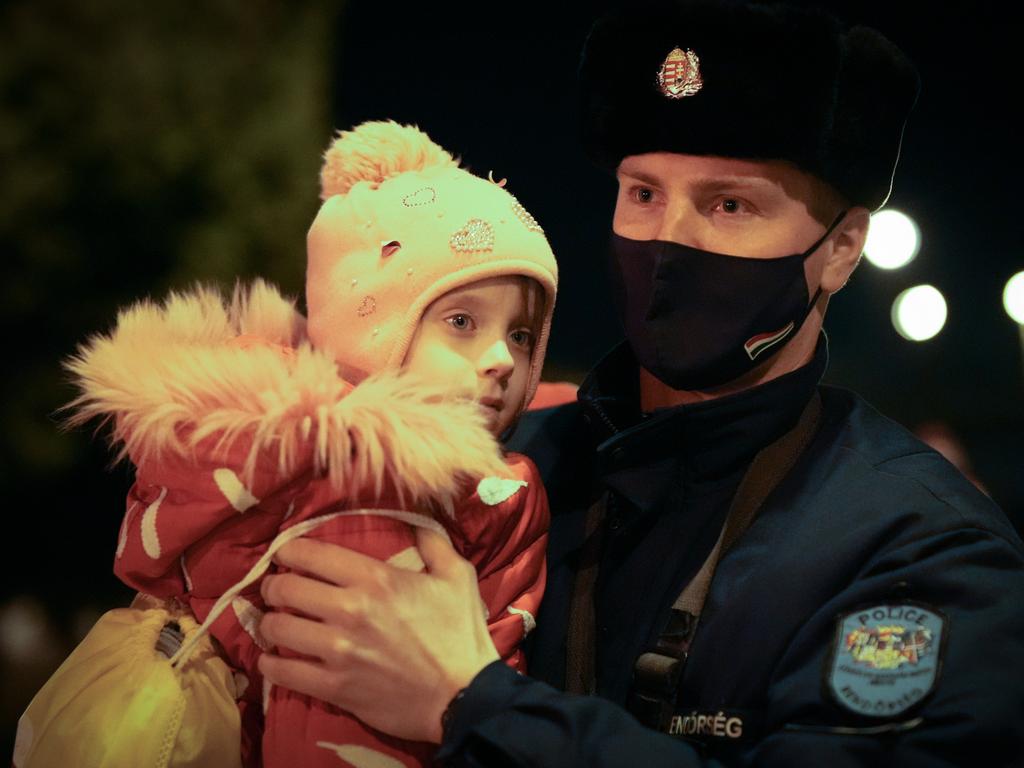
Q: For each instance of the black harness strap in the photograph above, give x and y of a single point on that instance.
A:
(657, 673)
(579, 660)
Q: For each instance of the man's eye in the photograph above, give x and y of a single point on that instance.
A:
(643, 194)
(460, 322)
(733, 206)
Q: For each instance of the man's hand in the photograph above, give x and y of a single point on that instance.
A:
(391, 646)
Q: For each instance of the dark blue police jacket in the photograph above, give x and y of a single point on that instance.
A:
(871, 615)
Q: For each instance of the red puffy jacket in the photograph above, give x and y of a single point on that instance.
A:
(237, 436)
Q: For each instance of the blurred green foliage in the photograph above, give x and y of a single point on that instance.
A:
(144, 147)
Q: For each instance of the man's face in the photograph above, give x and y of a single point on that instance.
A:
(755, 209)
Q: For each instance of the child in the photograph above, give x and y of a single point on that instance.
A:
(247, 427)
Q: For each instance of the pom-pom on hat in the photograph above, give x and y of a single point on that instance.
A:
(401, 225)
(762, 82)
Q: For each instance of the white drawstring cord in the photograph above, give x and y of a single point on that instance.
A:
(299, 529)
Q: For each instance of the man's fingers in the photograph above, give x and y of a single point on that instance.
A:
(311, 597)
(437, 554)
(310, 638)
(308, 677)
(329, 562)
(443, 562)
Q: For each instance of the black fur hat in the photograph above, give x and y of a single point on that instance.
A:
(768, 82)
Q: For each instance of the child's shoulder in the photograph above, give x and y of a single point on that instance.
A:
(521, 467)
(520, 486)
(515, 493)
(504, 515)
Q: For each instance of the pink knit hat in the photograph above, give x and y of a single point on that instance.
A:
(402, 225)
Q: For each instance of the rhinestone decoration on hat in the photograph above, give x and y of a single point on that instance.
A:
(477, 235)
(368, 306)
(524, 216)
(422, 196)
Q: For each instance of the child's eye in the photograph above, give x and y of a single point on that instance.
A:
(460, 322)
(522, 338)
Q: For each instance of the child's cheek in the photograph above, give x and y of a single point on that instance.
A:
(448, 367)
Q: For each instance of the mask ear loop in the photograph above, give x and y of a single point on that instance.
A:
(824, 237)
(817, 244)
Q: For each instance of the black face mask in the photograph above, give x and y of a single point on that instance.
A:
(697, 319)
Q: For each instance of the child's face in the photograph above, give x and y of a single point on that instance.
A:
(478, 338)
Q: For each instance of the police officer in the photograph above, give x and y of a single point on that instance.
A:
(745, 567)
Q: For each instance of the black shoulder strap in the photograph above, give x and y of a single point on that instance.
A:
(580, 643)
(657, 673)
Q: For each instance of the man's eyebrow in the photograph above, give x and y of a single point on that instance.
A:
(713, 183)
(646, 178)
(707, 183)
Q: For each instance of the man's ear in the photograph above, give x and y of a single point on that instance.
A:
(848, 244)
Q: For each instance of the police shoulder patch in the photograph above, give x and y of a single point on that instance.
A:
(886, 657)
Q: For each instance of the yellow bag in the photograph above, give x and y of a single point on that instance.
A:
(119, 701)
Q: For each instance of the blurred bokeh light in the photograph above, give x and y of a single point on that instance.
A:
(893, 239)
(919, 313)
(1013, 298)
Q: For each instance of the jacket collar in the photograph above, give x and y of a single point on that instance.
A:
(640, 455)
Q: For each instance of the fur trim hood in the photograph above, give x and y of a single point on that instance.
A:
(198, 369)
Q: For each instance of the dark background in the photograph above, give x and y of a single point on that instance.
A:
(145, 148)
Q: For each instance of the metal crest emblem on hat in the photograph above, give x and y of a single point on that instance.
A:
(679, 75)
